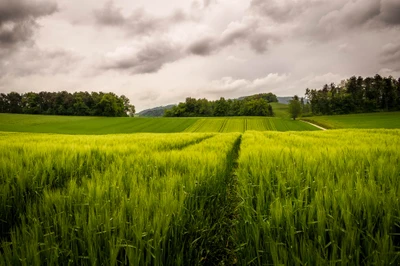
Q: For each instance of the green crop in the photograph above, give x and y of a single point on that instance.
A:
(242, 124)
(253, 198)
(89, 200)
(320, 198)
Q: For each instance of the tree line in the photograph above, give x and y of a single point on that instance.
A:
(65, 103)
(255, 105)
(355, 95)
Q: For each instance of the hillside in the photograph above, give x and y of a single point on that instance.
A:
(156, 111)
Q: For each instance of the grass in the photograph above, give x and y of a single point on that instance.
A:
(91, 125)
(242, 124)
(369, 120)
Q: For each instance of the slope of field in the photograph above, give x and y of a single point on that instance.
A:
(370, 120)
(319, 198)
(241, 124)
(280, 110)
(91, 125)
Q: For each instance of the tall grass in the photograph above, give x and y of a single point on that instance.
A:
(108, 200)
(320, 198)
(258, 198)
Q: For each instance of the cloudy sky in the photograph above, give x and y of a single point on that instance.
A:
(159, 52)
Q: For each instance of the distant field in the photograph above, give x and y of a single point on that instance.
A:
(370, 120)
(124, 125)
(91, 125)
(227, 124)
(280, 110)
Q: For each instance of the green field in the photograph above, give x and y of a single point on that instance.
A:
(280, 110)
(91, 125)
(253, 198)
(368, 120)
(124, 125)
(242, 124)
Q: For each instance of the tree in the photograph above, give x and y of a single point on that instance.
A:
(221, 107)
(295, 107)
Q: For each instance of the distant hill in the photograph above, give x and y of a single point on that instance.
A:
(284, 100)
(159, 111)
(156, 111)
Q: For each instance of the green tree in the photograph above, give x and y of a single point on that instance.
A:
(295, 107)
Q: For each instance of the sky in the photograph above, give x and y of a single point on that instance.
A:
(160, 52)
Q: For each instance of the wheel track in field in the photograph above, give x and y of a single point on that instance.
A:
(232, 201)
(209, 236)
(223, 126)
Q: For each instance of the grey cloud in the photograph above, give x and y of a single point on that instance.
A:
(138, 22)
(153, 55)
(109, 15)
(15, 33)
(204, 46)
(390, 55)
(390, 12)
(352, 14)
(18, 21)
(244, 31)
(20, 10)
(32, 60)
(259, 42)
(148, 59)
(282, 10)
(323, 19)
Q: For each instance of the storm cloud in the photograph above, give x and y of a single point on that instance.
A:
(390, 55)
(147, 59)
(18, 20)
(158, 52)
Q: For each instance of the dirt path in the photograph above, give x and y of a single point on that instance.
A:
(314, 125)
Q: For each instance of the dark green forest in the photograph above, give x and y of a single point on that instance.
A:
(355, 95)
(65, 103)
(255, 105)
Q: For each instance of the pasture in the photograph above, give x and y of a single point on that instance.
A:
(253, 198)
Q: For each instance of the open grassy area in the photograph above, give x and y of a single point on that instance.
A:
(368, 120)
(122, 125)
